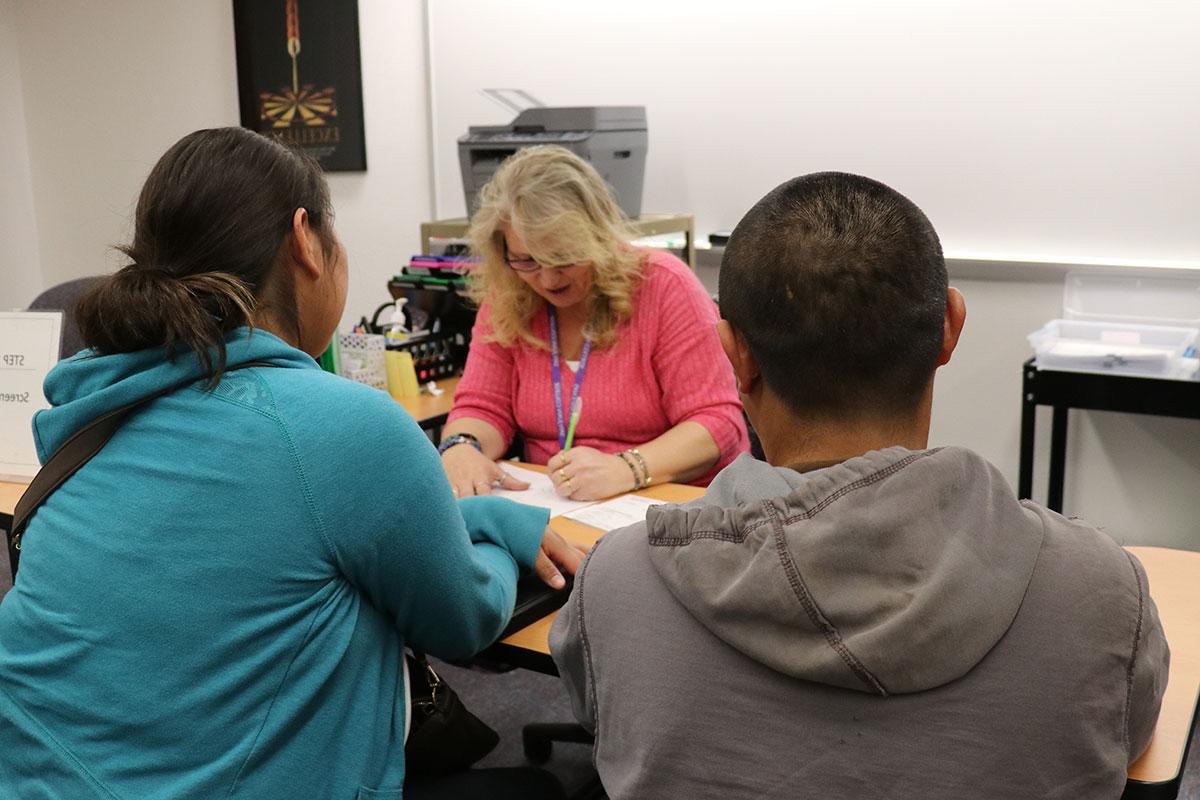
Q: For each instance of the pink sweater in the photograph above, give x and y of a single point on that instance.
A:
(666, 367)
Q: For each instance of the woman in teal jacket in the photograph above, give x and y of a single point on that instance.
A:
(217, 604)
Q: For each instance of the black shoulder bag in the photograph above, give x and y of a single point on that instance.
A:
(443, 735)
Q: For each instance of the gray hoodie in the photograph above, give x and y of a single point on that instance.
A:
(895, 626)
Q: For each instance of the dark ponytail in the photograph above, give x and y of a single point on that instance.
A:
(212, 222)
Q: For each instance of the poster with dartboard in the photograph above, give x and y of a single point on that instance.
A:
(300, 77)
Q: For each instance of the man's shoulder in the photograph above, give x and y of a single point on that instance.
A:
(618, 575)
(618, 553)
(1083, 570)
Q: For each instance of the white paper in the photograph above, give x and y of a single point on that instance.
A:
(28, 349)
(620, 512)
(540, 492)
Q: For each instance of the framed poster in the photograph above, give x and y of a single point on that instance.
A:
(300, 78)
(28, 350)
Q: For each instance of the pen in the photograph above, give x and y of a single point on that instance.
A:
(576, 410)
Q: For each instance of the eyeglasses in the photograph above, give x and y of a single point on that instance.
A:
(530, 264)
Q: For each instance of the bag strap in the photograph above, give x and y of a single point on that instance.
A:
(74, 453)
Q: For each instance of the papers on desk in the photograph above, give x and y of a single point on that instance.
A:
(540, 492)
(619, 512)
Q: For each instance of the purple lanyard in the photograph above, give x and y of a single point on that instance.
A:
(556, 375)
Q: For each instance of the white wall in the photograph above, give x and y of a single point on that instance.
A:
(1047, 128)
(20, 269)
(107, 87)
(1135, 476)
(379, 211)
(110, 86)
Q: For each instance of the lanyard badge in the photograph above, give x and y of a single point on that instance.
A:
(556, 377)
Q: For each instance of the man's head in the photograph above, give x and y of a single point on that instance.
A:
(836, 286)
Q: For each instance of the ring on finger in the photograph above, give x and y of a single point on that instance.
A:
(562, 476)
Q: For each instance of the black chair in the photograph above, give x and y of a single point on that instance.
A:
(63, 297)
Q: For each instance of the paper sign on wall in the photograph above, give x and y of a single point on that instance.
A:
(29, 342)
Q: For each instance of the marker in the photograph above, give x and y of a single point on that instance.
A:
(576, 410)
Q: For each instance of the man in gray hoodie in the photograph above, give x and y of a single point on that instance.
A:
(860, 616)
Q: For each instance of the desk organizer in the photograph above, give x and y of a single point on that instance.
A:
(362, 359)
(1123, 325)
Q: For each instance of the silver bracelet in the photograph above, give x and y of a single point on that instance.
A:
(645, 469)
(637, 478)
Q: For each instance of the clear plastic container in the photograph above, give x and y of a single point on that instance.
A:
(1124, 325)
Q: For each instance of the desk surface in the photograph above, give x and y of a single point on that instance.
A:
(427, 406)
(10, 493)
(1176, 592)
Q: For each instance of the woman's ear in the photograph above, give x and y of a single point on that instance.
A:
(304, 245)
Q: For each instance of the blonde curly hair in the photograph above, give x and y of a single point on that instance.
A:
(564, 212)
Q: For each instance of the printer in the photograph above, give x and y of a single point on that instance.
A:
(612, 138)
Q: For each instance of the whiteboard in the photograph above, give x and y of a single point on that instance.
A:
(1047, 131)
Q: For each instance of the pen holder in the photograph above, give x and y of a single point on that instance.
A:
(401, 374)
(362, 359)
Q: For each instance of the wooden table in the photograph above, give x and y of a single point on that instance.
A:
(1175, 586)
(430, 411)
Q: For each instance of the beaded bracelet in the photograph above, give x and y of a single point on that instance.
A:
(645, 469)
(637, 478)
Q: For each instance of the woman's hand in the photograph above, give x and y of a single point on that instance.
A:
(471, 472)
(584, 473)
(557, 553)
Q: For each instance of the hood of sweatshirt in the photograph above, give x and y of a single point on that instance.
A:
(893, 572)
(86, 385)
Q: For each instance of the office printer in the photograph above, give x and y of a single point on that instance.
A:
(612, 138)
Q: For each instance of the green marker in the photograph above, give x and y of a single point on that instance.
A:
(576, 410)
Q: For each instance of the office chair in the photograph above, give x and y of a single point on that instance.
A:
(63, 297)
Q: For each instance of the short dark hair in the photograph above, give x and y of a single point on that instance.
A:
(211, 220)
(838, 283)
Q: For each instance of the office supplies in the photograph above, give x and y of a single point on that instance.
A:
(540, 492)
(401, 375)
(363, 359)
(434, 294)
(576, 410)
(612, 138)
(1123, 325)
(620, 512)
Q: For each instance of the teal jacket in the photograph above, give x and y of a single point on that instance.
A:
(217, 604)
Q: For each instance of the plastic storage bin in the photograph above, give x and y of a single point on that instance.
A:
(1123, 325)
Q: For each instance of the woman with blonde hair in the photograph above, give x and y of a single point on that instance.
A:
(582, 335)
